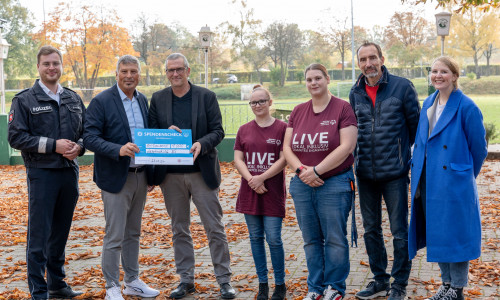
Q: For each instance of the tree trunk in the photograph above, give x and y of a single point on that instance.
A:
(260, 77)
(476, 64)
(343, 71)
(488, 65)
(87, 94)
(148, 78)
(282, 77)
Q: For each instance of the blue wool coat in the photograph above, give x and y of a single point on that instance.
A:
(455, 150)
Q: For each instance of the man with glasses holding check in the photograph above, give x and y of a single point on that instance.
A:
(184, 105)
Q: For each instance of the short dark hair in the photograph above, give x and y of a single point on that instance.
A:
(47, 50)
(368, 43)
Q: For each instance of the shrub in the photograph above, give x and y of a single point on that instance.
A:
(491, 132)
(275, 75)
(471, 76)
(483, 86)
(300, 76)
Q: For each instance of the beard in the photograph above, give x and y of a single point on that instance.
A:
(373, 74)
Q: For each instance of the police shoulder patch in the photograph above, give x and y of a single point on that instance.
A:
(11, 116)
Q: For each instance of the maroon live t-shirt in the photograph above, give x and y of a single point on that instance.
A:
(315, 135)
(261, 147)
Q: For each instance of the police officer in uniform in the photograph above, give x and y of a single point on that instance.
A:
(46, 124)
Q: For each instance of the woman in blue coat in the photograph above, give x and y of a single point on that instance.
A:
(449, 150)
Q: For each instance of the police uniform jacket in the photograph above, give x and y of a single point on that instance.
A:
(36, 122)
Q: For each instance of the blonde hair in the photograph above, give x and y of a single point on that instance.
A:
(452, 65)
(259, 87)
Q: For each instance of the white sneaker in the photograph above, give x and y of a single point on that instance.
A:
(331, 294)
(312, 296)
(114, 293)
(139, 288)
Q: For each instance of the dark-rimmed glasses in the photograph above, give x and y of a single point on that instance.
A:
(259, 102)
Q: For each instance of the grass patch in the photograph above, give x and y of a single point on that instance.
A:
(236, 113)
(490, 107)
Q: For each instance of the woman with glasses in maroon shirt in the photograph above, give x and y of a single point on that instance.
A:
(258, 156)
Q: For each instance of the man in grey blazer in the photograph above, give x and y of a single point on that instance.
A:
(114, 114)
(186, 106)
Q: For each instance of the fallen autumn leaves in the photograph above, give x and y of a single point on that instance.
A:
(157, 266)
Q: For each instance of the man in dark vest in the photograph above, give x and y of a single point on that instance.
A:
(387, 110)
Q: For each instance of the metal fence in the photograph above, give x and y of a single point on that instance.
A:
(235, 115)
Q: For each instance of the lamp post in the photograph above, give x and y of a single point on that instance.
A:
(352, 44)
(443, 20)
(4, 51)
(205, 39)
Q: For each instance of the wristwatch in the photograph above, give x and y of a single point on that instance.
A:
(299, 169)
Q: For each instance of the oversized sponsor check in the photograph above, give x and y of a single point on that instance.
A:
(163, 147)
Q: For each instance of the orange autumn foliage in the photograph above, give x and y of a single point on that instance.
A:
(90, 38)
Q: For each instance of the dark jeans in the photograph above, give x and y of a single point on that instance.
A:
(322, 214)
(53, 194)
(395, 194)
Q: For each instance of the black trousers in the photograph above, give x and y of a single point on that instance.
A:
(53, 194)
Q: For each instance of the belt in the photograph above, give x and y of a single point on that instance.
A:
(137, 170)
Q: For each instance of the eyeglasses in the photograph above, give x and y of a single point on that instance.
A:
(259, 102)
(179, 71)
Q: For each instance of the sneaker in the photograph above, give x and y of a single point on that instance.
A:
(374, 289)
(397, 293)
(440, 293)
(279, 292)
(114, 293)
(263, 291)
(139, 288)
(454, 294)
(332, 294)
(312, 296)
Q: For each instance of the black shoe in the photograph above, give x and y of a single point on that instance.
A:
(64, 293)
(374, 289)
(454, 294)
(182, 290)
(440, 293)
(397, 292)
(279, 292)
(227, 291)
(263, 291)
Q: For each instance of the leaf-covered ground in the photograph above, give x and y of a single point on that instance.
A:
(156, 259)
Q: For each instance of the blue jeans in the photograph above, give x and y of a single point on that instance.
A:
(455, 273)
(322, 214)
(395, 193)
(271, 226)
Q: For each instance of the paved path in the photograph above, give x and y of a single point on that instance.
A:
(157, 267)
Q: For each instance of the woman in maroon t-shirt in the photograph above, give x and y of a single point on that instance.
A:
(319, 142)
(258, 156)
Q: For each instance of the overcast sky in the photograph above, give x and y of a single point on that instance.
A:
(193, 14)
